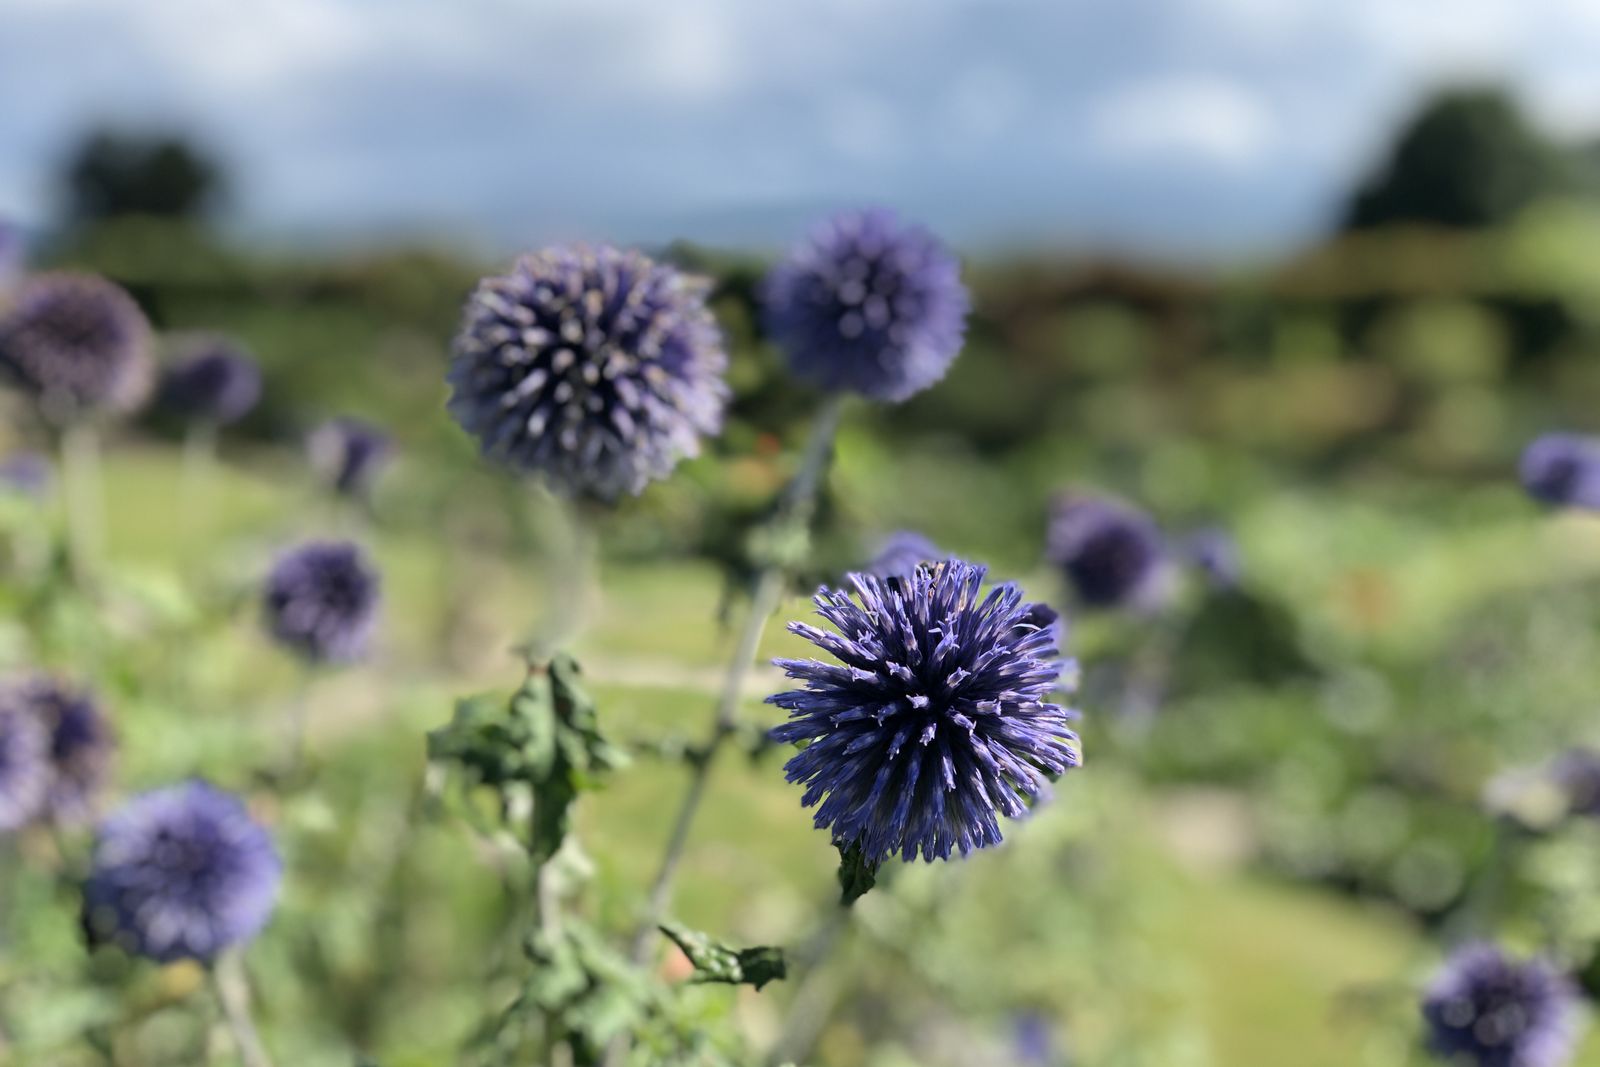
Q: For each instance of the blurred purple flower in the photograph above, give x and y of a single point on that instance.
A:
(936, 720)
(1576, 773)
(181, 873)
(1563, 470)
(78, 344)
(595, 368)
(1111, 554)
(215, 381)
(1216, 553)
(27, 473)
(349, 454)
(901, 553)
(321, 601)
(81, 745)
(1033, 1041)
(1486, 1009)
(868, 304)
(24, 764)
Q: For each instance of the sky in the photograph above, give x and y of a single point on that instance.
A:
(1177, 127)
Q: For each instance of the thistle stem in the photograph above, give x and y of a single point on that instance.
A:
(232, 987)
(795, 511)
(570, 566)
(82, 497)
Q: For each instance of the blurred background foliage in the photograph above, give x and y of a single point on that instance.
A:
(1247, 875)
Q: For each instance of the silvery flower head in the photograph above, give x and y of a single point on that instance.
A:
(81, 745)
(593, 368)
(321, 601)
(868, 304)
(901, 553)
(181, 873)
(214, 382)
(24, 764)
(1111, 554)
(78, 344)
(349, 454)
(1486, 1009)
(1563, 470)
(936, 717)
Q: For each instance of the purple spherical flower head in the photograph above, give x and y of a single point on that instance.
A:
(349, 454)
(937, 718)
(214, 382)
(1111, 554)
(81, 745)
(24, 764)
(321, 601)
(1486, 1009)
(594, 368)
(181, 873)
(78, 344)
(1563, 470)
(868, 304)
(27, 473)
(901, 553)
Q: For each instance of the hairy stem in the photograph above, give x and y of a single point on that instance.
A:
(232, 987)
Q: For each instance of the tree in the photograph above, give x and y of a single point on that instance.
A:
(112, 174)
(1468, 158)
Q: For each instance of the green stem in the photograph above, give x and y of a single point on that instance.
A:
(232, 988)
(195, 479)
(796, 511)
(570, 564)
(82, 498)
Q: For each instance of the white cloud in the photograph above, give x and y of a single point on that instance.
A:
(1192, 118)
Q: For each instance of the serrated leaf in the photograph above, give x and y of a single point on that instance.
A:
(716, 962)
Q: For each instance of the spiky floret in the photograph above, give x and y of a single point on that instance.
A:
(937, 718)
(181, 873)
(1486, 1009)
(868, 304)
(594, 368)
(78, 344)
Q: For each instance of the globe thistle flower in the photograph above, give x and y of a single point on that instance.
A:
(78, 344)
(868, 304)
(349, 454)
(901, 553)
(935, 721)
(1111, 554)
(1576, 773)
(1488, 1010)
(593, 368)
(24, 765)
(81, 745)
(27, 473)
(181, 873)
(215, 382)
(1562, 470)
(321, 601)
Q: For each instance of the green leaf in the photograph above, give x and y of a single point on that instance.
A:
(857, 875)
(716, 962)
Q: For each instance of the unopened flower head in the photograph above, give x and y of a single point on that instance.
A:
(868, 304)
(1486, 1009)
(78, 344)
(181, 873)
(321, 601)
(593, 368)
(936, 718)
